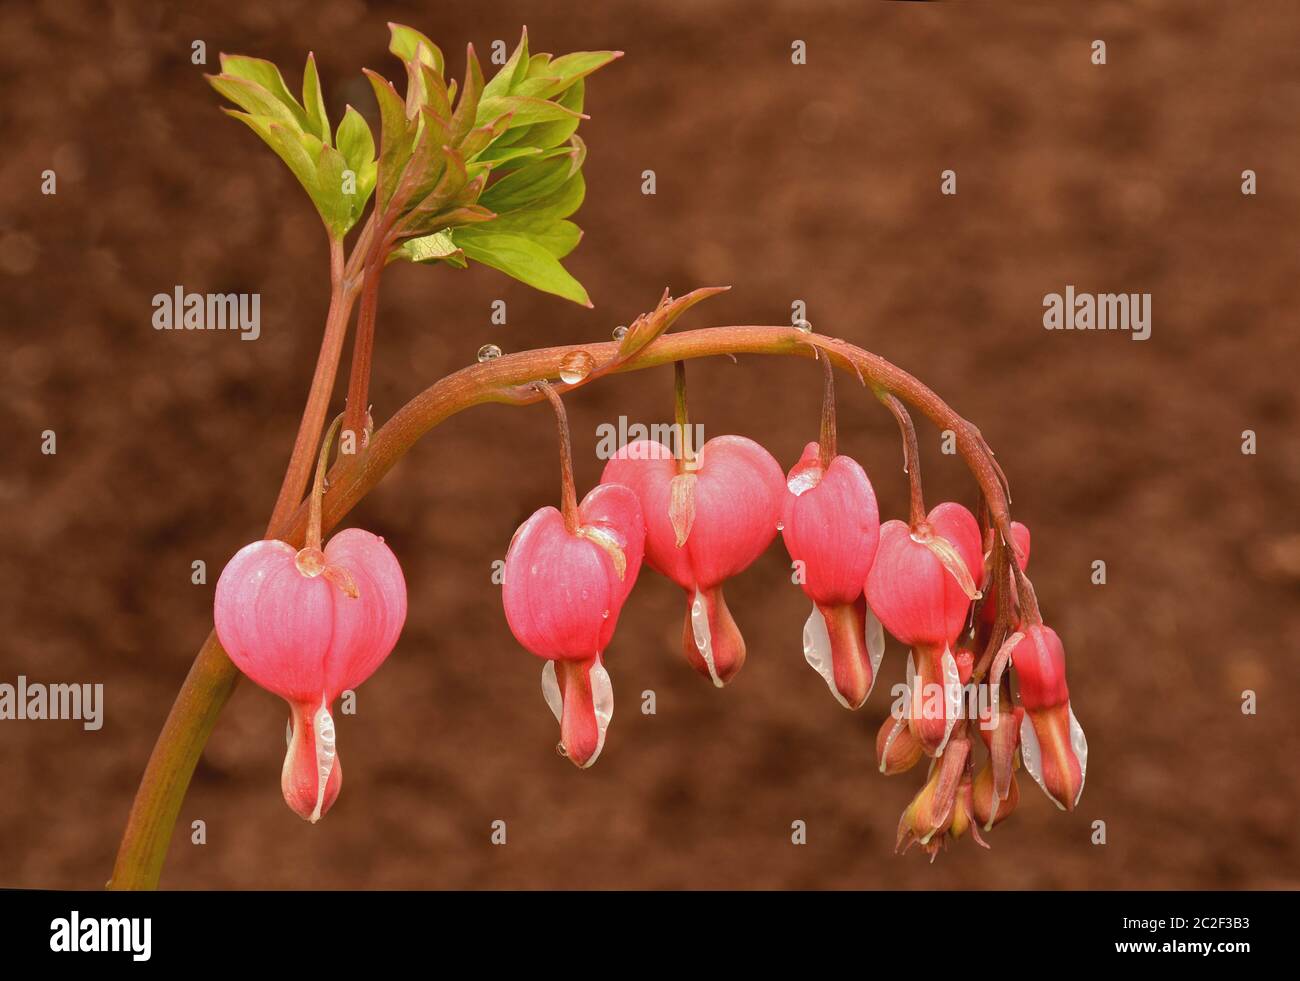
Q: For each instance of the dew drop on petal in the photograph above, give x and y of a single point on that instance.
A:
(575, 367)
(803, 326)
(488, 352)
(620, 332)
(780, 526)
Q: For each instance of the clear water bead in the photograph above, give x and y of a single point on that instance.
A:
(803, 326)
(620, 332)
(487, 352)
(575, 367)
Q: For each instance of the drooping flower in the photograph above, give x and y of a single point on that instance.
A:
(706, 518)
(308, 625)
(1052, 744)
(920, 586)
(831, 524)
(563, 590)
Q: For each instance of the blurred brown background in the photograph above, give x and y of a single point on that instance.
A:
(819, 183)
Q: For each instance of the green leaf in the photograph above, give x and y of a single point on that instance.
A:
(561, 73)
(557, 236)
(254, 99)
(512, 72)
(396, 136)
(318, 122)
(267, 76)
(529, 183)
(438, 247)
(410, 45)
(521, 259)
(355, 141)
(462, 121)
(547, 135)
(524, 110)
(336, 208)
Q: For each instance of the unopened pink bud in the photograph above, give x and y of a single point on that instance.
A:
(307, 625)
(1053, 746)
(706, 520)
(897, 750)
(831, 525)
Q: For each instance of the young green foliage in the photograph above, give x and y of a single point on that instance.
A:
(337, 172)
(489, 172)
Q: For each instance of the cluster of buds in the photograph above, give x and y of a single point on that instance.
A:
(950, 587)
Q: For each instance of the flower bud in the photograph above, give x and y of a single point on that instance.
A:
(831, 524)
(563, 591)
(929, 816)
(989, 610)
(989, 809)
(308, 624)
(706, 519)
(897, 750)
(1053, 746)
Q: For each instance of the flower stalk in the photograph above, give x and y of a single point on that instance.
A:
(510, 379)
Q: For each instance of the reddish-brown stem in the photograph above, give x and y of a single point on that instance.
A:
(827, 442)
(363, 349)
(911, 456)
(568, 488)
(342, 297)
(511, 380)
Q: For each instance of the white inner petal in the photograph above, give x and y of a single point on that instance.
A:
(551, 691)
(323, 723)
(602, 697)
(703, 636)
(1079, 743)
(1031, 754)
(875, 647)
(817, 651)
(951, 696)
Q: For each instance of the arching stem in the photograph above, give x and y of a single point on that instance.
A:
(510, 380)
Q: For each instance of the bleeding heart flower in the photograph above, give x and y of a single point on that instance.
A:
(706, 520)
(920, 586)
(831, 525)
(308, 625)
(1052, 744)
(563, 591)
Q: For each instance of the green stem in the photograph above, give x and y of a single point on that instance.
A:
(510, 380)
